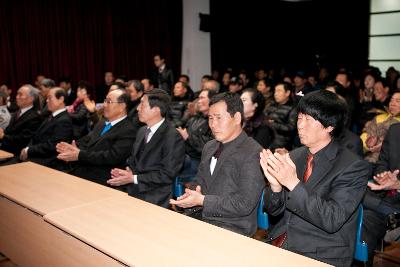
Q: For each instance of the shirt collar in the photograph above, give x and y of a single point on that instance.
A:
(155, 127)
(55, 113)
(117, 120)
(23, 110)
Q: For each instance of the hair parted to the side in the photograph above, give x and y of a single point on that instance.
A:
(159, 98)
(233, 103)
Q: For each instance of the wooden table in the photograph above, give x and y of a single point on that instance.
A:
(27, 192)
(137, 233)
(5, 155)
(43, 190)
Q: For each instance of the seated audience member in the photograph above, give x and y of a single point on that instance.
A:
(147, 84)
(65, 83)
(196, 134)
(347, 139)
(375, 130)
(265, 87)
(44, 87)
(179, 103)
(107, 146)
(56, 128)
(384, 197)
(229, 182)
(10, 99)
(5, 115)
(23, 123)
(282, 116)
(255, 122)
(317, 188)
(157, 154)
(78, 111)
(136, 90)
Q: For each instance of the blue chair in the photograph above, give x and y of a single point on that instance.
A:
(361, 250)
(262, 216)
(179, 190)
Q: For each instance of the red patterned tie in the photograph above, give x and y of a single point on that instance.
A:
(278, 242)
(309, 168)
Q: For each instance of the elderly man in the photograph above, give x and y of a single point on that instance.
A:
(55, 128)
(24, 122)
(228, 184)
(317, 188)
(107, 146)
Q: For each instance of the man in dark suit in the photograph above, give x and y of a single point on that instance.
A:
(316, 188)
(101, 150)
(163, 76)
(384, 197)
(24, 122)
(56, 128)
(157, 155)
(229, 182)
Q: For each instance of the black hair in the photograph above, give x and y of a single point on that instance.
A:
(137, 84)
(159, 98)
(256, 97)
(233, 103)
(325, 107)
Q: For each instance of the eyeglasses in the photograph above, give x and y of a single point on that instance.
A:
(108, 101)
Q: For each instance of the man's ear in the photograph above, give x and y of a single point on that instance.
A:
(238, 118)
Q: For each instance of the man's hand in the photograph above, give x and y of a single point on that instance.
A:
(183, 132)
(269, 171)
(191, 198)
(68, 152)
(385, 181)
(120, 177)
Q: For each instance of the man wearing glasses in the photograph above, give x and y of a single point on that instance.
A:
(108, 146)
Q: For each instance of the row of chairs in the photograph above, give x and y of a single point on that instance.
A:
(361, 249)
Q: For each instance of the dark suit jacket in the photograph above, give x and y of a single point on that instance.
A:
(99, 154)
(164, 80)
(80, 121)
(42, 147)
(320, 217)
(389, 157)
(20, 131)
(157, 165)
(233, 191)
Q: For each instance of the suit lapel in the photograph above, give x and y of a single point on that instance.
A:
(139, 140)
(158, 135)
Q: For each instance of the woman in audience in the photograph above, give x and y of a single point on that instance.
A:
(375, 130)
(256, 124)
(78, 111)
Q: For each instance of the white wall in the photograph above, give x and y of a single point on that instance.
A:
(384, 32)
(196, 45)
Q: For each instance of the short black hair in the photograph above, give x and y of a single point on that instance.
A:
(137, 84)
(233, 103)
(59, 92)
(159, 98)
(124, 98)
(325, 107)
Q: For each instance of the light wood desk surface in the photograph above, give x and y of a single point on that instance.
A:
(5, 155)
(141, 234)
(43, 190)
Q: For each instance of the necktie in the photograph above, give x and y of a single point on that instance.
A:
(218, 152)
(309, 168)
(107, 127)
(278, 242)
(146, 135)
(18, 114)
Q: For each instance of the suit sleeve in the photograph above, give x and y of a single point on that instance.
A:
(26, 133)
(62, 132)
(249, 181)
(384, 156)
(171, 161)
(120, 149)
(331, 213)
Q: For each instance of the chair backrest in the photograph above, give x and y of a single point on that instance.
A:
(178, 187)
(361, 249)
(262, 216)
